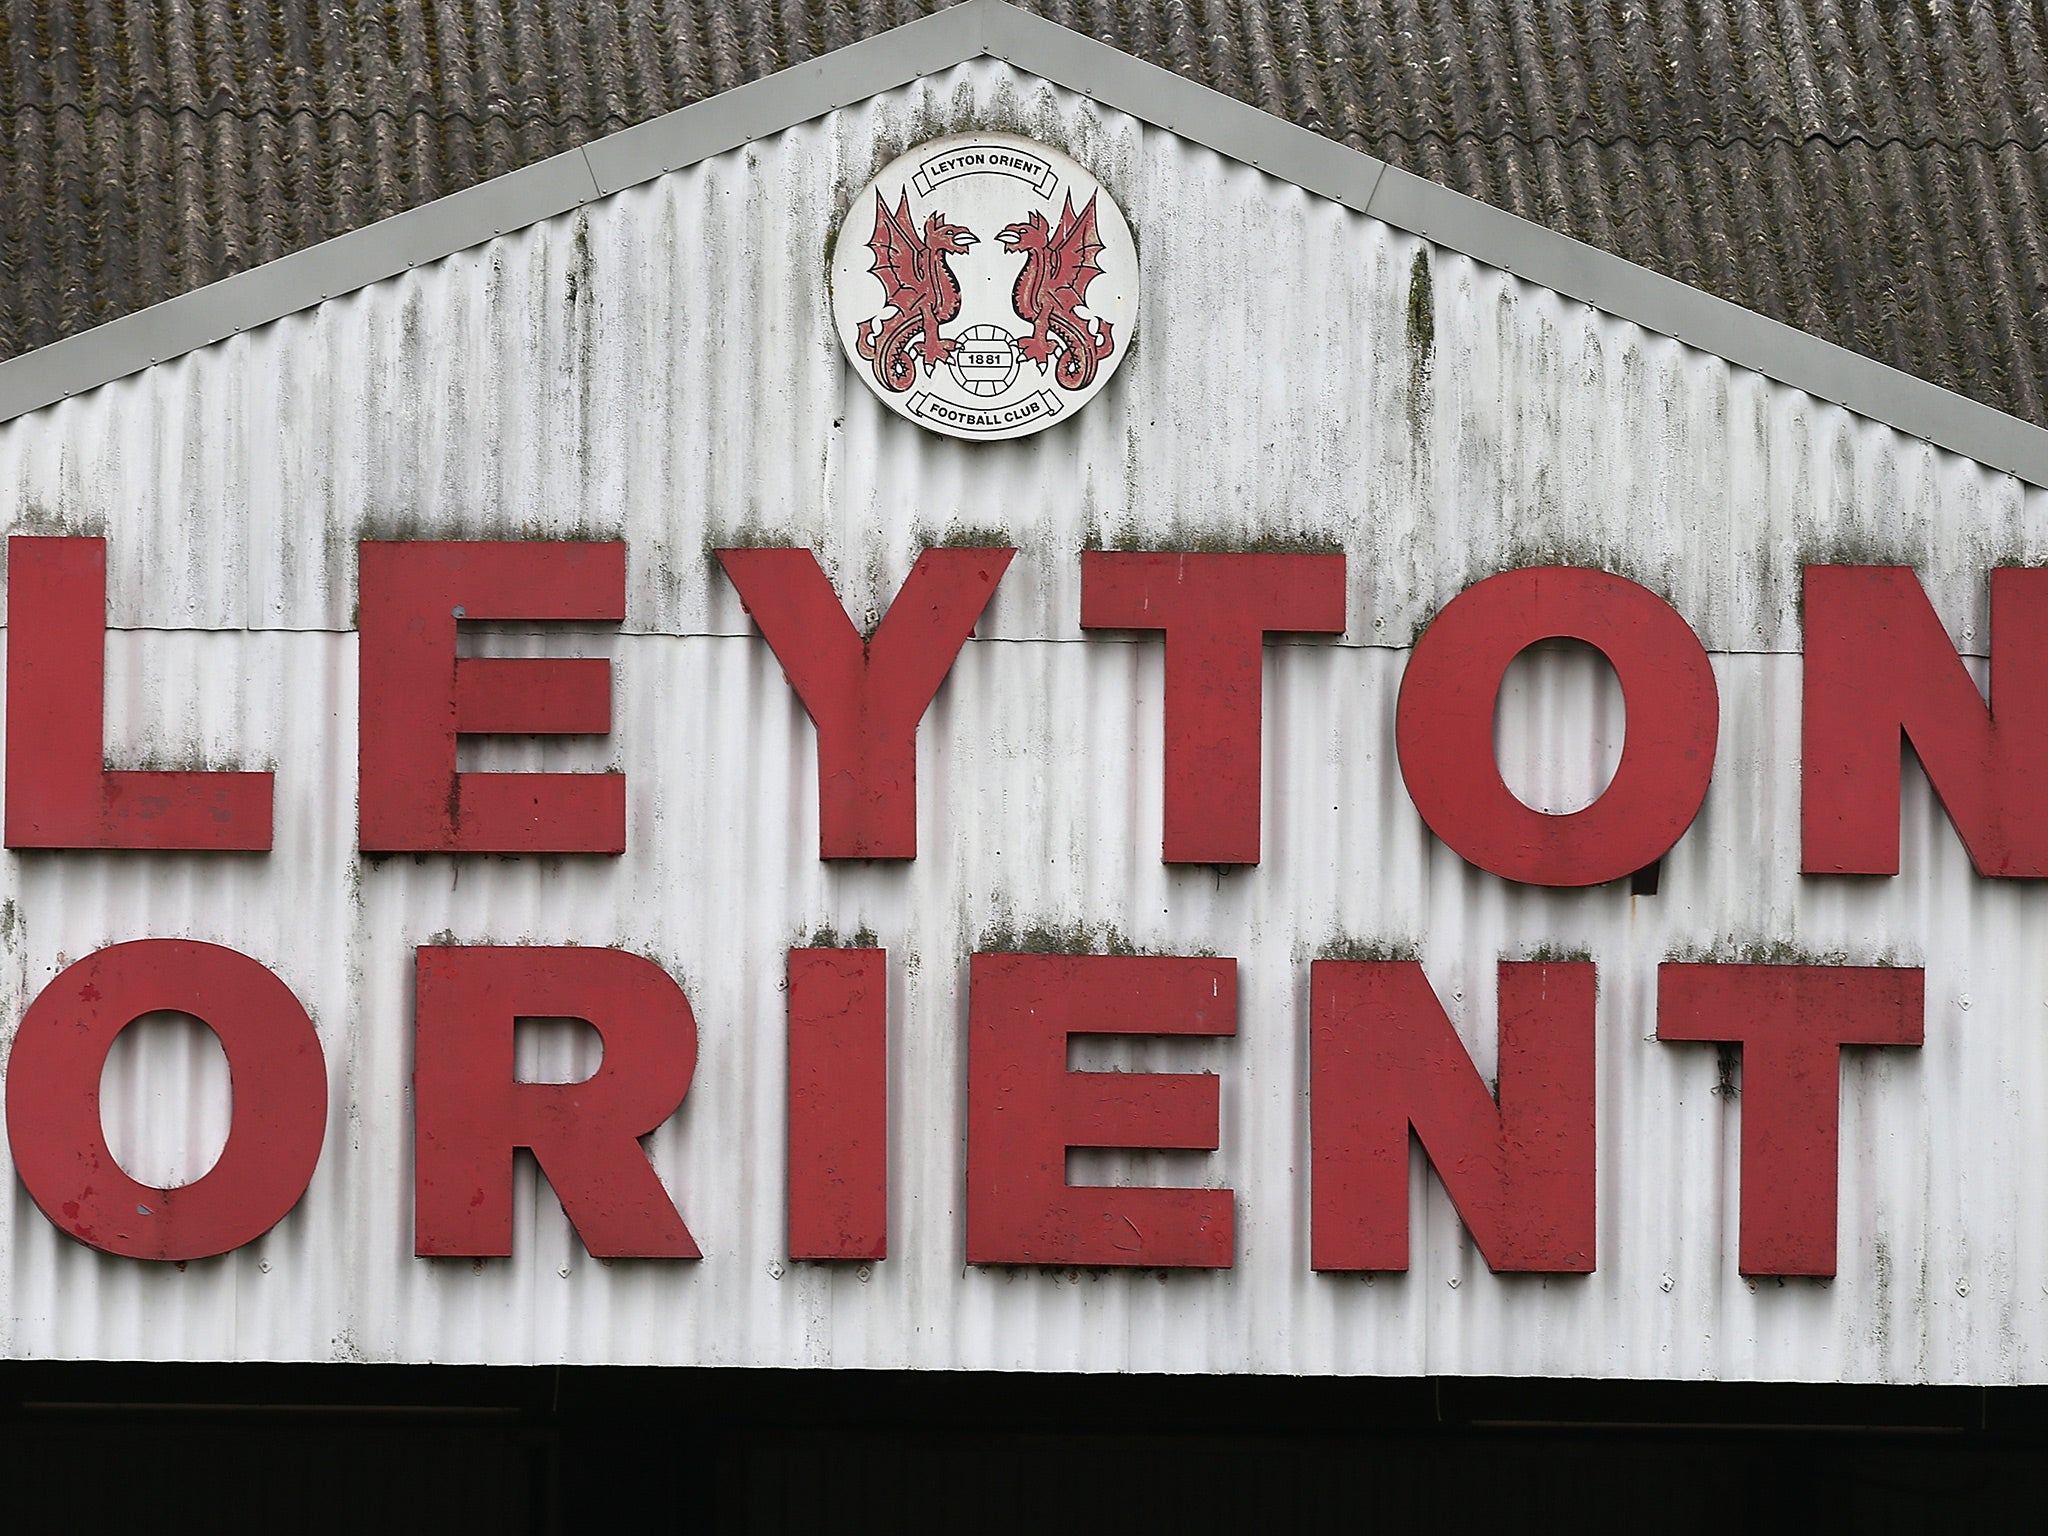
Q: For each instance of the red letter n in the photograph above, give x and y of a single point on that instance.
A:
(418, 696)
(1879, 666)
(866, 697)
(472, 1113)
(1216, 611)
(1383, 1057)
(1791, 1022)
(1025, 1109)
(59, 792)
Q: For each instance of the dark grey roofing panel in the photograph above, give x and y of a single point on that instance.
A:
(1871, 171)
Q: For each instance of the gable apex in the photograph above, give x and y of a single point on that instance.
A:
(994, 29)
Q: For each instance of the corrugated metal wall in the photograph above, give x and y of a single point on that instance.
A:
(662, 368)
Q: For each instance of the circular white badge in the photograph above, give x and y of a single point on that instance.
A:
(985, 286)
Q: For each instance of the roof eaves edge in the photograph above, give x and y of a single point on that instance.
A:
(1185, 107)
(292, 283)
(790, 96)
(1622, 288)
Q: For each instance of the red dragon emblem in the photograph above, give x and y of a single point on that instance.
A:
(921, 288)
(1059, 264)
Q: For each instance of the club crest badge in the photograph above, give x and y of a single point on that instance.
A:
(985, 286)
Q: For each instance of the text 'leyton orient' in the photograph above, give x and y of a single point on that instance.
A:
(1384, 1058)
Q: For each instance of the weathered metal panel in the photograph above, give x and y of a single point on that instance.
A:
(682, 388)
(661, 368)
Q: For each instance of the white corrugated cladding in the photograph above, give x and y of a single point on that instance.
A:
(661, 367)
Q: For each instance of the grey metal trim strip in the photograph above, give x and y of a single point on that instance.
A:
(1741, 336)
(292, 283)
(1194, 112)
(974, 29)
(791, 96)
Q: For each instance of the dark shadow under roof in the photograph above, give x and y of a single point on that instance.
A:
(1874, 173)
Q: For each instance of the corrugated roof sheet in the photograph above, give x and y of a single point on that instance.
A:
(1876, 174)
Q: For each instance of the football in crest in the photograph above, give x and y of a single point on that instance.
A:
(985, 363)
(984, 286)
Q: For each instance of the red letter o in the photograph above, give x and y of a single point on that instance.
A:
(279, 1082)
(1444, 726)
